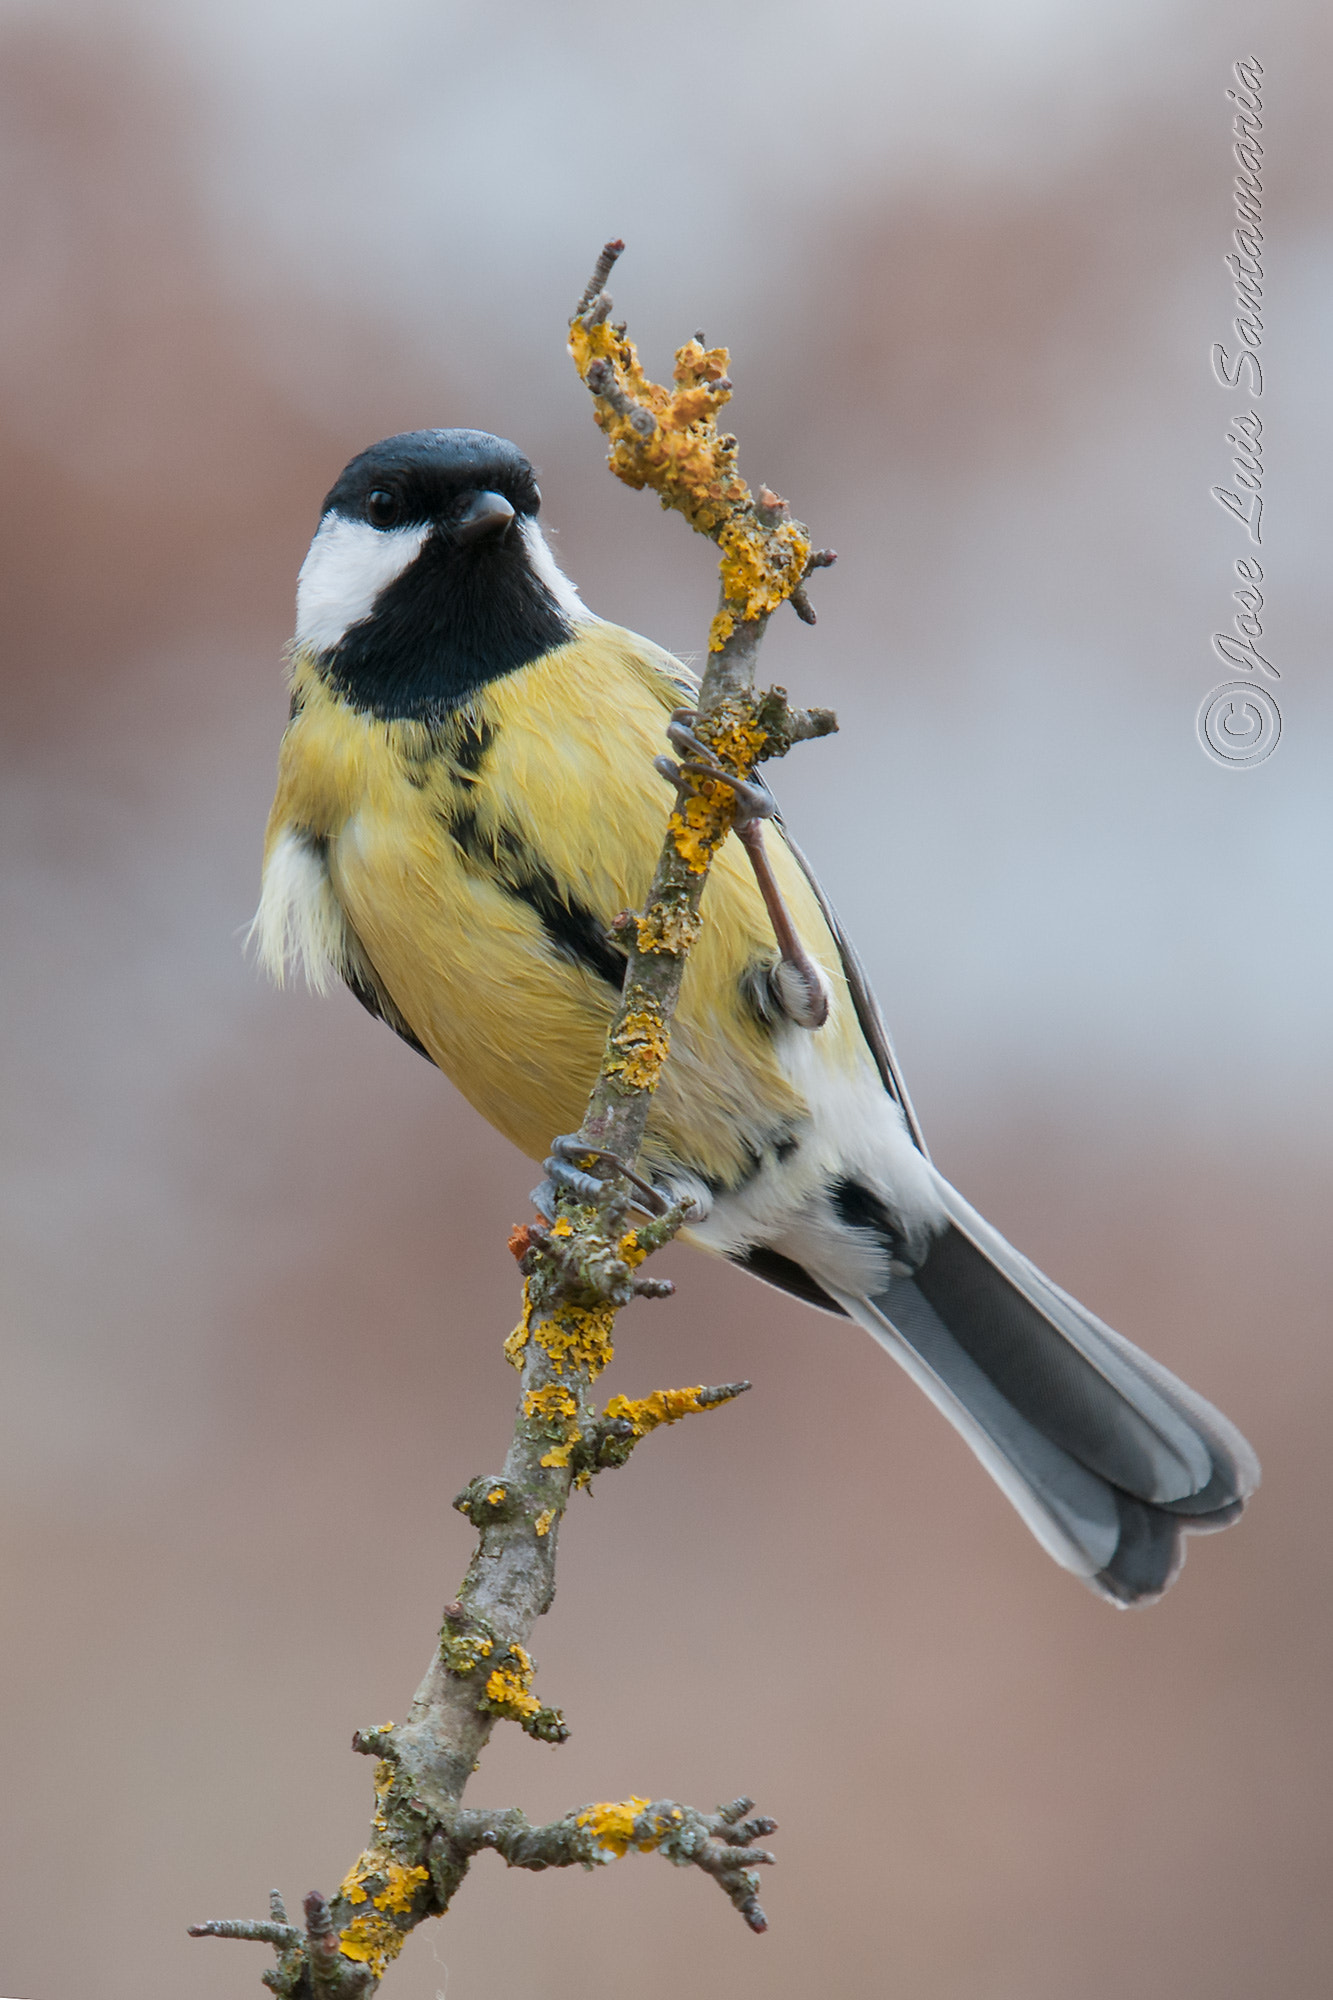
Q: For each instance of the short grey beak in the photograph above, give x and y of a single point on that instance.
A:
(483, 514)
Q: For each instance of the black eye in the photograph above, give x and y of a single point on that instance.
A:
(382, 507)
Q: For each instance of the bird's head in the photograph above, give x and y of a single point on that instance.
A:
(429, 575)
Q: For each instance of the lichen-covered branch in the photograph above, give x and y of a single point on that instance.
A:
(668, 440)
(581, 1265)
(719, 1843)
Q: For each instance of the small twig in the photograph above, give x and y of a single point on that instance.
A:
(601, 271)
(718, 1843)
(285, 1936)
(602, 381)
(609, 1442)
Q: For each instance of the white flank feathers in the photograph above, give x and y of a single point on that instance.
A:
(298, 927)
(856, 1132)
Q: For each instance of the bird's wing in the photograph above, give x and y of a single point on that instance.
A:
(674, 678)
(363, 983)
(863, 999)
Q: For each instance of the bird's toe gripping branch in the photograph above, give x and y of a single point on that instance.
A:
(583, 1171)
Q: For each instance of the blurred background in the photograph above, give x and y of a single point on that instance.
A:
(969, 260)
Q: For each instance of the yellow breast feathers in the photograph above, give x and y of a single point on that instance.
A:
(468, 873)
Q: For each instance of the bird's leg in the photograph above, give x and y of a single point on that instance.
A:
(804, 994)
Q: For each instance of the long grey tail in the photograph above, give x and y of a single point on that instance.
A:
(1108, 1458)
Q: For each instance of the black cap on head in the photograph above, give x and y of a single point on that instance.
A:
(422, 476)
(429, 540)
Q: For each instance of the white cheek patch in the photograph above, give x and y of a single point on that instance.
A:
(348, 566)
(299, 926)
(548, 571)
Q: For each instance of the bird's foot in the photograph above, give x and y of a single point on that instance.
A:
(800, 989)
(584, 1171)
(753, 802)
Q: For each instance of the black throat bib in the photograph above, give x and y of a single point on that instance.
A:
(456, 619)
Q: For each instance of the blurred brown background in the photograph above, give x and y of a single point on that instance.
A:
(970, 263)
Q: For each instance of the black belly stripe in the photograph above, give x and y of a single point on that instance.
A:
(572, 928)
(574, 932)
(459, 742)
(473, 737)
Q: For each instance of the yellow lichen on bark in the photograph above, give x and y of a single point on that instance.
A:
(518, 1339)
(672, 930)
(462, 1651)
(507, 1688)
(373, 1938)
(506, 1693)
(735, 735)
(701, 823)
(692, 467)
(631, 1250)
(762, 564)
(400, 1887)
(612, 1827)
(559, 1411)
(664, 1406)
(542, 1524)
(579, 1336)
(364, 1868)
(639, 1049)
(684, 460)
(551, 1403)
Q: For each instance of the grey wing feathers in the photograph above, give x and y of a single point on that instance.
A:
(863, 1000)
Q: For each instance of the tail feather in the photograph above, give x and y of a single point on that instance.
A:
(1070, 1510)
(1233, 1465)
(1048, 1353)
(1108, 1458)
(1148, 1554)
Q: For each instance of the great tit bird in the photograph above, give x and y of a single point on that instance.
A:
(467, 798)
